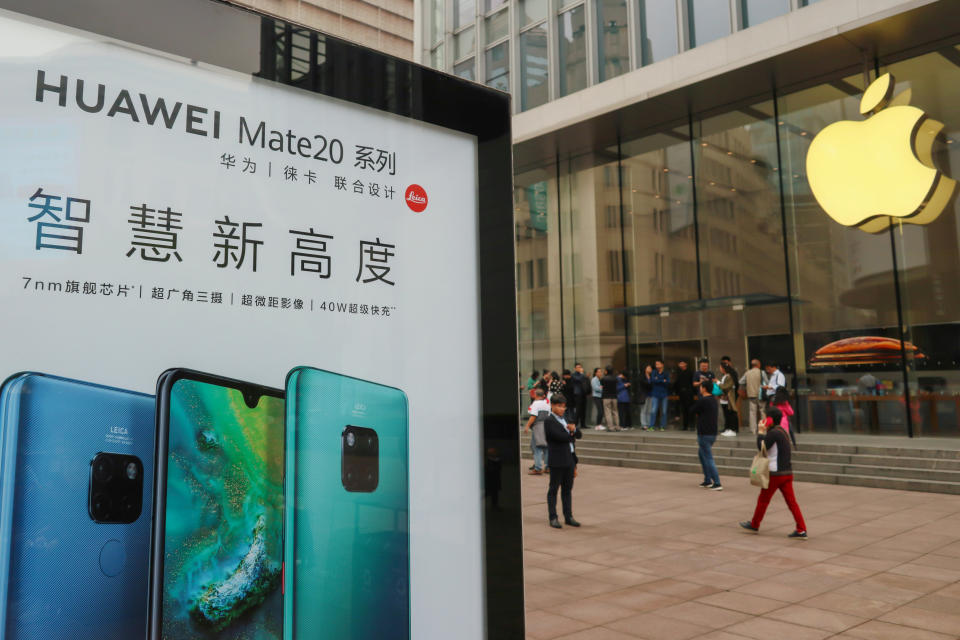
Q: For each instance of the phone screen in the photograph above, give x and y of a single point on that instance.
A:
(223, 544)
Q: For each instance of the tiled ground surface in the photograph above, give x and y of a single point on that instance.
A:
(659, 558)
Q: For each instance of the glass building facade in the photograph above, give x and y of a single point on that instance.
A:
(702, 238)
(540, 50)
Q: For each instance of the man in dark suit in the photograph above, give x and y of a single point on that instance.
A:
(563, 461)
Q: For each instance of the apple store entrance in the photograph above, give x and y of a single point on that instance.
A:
(703, 237)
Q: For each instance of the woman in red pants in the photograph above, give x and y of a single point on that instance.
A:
(781, 474)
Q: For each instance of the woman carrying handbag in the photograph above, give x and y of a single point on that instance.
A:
(775, 440)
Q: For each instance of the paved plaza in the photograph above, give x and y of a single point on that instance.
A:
(659, 558)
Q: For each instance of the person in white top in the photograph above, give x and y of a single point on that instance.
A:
(775, 380)
(538, 411)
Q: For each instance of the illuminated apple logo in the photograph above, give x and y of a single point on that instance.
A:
(865, 174)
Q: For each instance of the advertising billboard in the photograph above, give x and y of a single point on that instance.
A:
(244, 352)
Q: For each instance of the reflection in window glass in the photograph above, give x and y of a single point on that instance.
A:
(493, 5)
(532, 11)
(757, 11)
(463, 43)
(465, 70)
(658, 30)
(498, 26)
(572, 50)
(533, 68)
(709, 20)
(436, 22)
(464, 13)
(613, 38)
(498, 66)
(738, 204)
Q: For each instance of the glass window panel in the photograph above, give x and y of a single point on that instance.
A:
(464, 42)
(464, 13)
(740, 226)
(658, 30)
(498, 25)
(533, 67)
(572, 50)
(466, 70)
(658, 202)
(757, 11)
(538, 298)
(927, 257)
(842, 276)
(709, 20)
(436, 21)
(493, 5)
(613, 38)
(532, 11)
(498, 66)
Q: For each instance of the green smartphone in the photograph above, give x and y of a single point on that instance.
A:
(346, 546)
(217, 548)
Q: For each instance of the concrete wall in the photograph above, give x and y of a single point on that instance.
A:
(385, 25)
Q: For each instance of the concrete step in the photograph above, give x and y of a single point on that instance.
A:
(893, 467)
(746, 441)
(904, 484)
(893, 457)
(800, 463)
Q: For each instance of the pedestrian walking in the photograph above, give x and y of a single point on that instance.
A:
(563, 462)
(538, 411)
(610, 414)
(752, 383)
(775, 439)
(581, 391)
(683, 388)
(706, 409)
(659, 390)
(623, 401)
(596, 391)
(781, 401)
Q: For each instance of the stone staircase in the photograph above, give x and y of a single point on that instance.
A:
(878, 462)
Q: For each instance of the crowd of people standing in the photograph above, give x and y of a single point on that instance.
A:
(714, 399)
(612, 400)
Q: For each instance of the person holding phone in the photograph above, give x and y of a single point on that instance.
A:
(563, 461)
(777, 442)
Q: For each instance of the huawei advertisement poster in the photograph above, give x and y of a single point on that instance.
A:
(229, 308)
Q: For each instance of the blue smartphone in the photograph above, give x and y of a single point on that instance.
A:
(346, 548)
(217, 549)
(75, 503)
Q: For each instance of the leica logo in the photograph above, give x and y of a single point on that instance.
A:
(416, 198)
(360, 407)
(120, 431)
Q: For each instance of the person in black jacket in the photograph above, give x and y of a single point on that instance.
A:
(563, 461)
(706, 410)
(781, 474)
(581, 391)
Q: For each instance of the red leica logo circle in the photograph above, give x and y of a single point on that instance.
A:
(416, 198)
